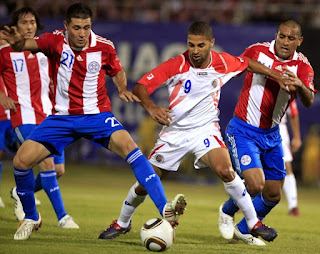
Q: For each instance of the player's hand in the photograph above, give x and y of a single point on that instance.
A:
(11, 35)
(8, 103)
(161, 115)
(128, 96)
(291, 80)
(295, 144)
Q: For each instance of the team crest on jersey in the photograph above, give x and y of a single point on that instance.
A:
(43, 62)
(159, 158)
(245, 160)
(215, 83)
(94, 67)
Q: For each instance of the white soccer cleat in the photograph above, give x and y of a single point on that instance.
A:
(67, 222)
(226, 226)
(1, 203)
(173, 209)
(248, 238)
(38, 202)
(18, 209)
(25, 228)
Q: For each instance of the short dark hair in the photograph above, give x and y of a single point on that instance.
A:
(78, 10)
(291, 23)
(201, 28)
(22, 12)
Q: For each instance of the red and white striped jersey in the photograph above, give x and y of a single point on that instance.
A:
(26, 78)
(79, 74)
(194, 93)
(291, 111)
(262, 102)
(4, 114)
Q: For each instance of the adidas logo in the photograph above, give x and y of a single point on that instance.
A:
(279, 68)
(30, 56)
(79, 58)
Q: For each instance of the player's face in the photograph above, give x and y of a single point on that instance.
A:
(199, 49)
(27, 25)
(78, 32)
(287, 41)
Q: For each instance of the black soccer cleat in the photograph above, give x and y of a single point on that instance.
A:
(114, 230)
(265, 232)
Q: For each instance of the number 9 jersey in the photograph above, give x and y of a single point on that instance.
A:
(194, 93)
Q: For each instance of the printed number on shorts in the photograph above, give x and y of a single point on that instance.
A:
(67, 59)
(206, 142)
(113, 120)
(187, 86)
(18, 65)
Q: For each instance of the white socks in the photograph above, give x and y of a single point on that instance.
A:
(129, 206)
(290, 191)
(238, 192)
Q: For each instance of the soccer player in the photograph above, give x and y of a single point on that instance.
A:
(290, 185)
(8, 138)
(191, 123)
(80, 61)
(26, 77)
(253, 135)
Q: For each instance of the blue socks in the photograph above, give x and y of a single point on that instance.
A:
(38, 184)
(230, 207)
(25, 186)
(146, 176)
(51, 187)
(262, 206)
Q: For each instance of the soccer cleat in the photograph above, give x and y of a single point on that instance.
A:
(294, 212)
(226, 226)
(25, 228)
(247, 238)
(173, 209)
(265, 232)
(114, 230)
(67, 222)
(18, 209)
(1, 203)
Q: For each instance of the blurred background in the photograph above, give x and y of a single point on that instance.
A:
(148, 32)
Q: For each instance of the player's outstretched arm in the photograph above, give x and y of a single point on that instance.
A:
(120, 81)
(159, 114)
(17, 40)
(257, 67)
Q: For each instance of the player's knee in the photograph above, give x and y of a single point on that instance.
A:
(60, 169)
(140, 191)
(21, 162)
(254, 188)
(226, 173)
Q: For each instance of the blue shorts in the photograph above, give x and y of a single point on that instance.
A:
(8, 138)
(252, 147)
(56, 131)
(23, 132)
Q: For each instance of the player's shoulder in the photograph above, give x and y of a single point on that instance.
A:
(303, 59)
(5, 47)
(260, 45)
(102, 41)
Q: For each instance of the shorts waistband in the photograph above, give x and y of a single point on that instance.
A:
(253, 128)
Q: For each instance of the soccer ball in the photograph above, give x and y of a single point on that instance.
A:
(157, 234)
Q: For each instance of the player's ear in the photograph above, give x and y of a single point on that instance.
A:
(212, 42)
(65, 25)
(300, 41)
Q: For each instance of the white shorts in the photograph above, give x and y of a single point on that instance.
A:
(287, 154)
(173, 146)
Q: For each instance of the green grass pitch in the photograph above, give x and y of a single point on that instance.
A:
(93, 197)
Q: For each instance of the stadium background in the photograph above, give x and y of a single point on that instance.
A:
(147, 33)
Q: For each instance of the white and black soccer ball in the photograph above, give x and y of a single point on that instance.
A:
(157, 235)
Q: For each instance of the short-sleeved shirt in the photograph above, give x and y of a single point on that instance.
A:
(194, 92)
(79, 74)
(262, 102)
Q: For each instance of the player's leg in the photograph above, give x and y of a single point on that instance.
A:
(27, 156)
(2, 147)
(1, 156)
(290, 191)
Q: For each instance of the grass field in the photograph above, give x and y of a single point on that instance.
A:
(93, 197)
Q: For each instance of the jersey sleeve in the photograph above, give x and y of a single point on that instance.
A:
(306, 74)
(159, 75)
(234, 63)
(46, 43)
(113, 66)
